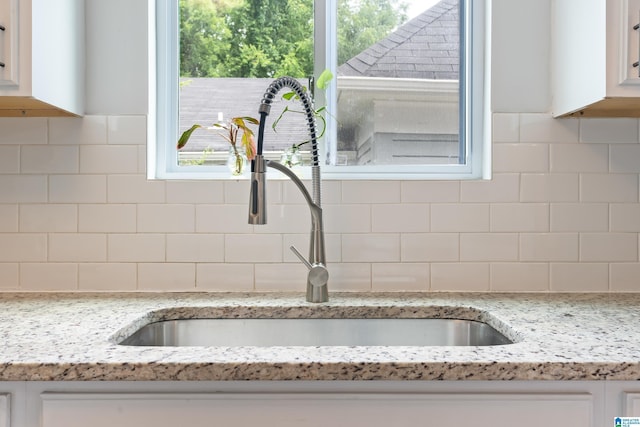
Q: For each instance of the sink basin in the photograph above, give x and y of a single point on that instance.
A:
(316, 332)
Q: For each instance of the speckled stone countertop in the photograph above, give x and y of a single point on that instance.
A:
(73, 337)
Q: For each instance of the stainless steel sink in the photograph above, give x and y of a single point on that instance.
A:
(316, 332)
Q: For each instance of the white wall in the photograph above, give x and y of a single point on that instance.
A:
(562, 212)
(117, 56)
(521, 41)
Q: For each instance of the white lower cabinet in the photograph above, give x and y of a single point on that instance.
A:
(317, 403)
(316, 410)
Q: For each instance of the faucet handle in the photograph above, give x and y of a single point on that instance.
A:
(317, 278)
(300, 257)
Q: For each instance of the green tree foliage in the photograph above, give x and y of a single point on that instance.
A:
(271, 38)
(363, 23)
(205, 38)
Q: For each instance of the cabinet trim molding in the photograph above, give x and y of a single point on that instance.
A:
(5, 410)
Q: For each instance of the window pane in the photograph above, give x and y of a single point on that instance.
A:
(230, 51)
(398, 91)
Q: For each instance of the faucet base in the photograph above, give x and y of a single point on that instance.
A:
(317, 293)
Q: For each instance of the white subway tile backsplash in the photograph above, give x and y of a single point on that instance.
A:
(504, 187)
(520, 217)
(624, 158)
(49, 159)
(142, 160)
(470, 217)
(430, 247)
(136, 247)
(625, 217)
(293, 278)
(48, 218)
(624, 277)
(281, 277)
(609, 131)
(560, 214)
(281, 219)
(291, 194)
(135, 189)
(541, 127)
(48, 277)
(109, 159)
(520, 157)
(371, 247)
(400, 218)
(9, 218)
(77, 247)
(579, 277)
(430, 191)
(23, 130)
(23, 247)
(224, 277)
(579, 217)
(223, 219)
(195, 248)
(237, 192)
(350, 277)
(167, 277)
(107, 276)
(609, 188)
(519, 277)
(127, 130)
(331, 192)
(253, 248)
(9, 276)
(584, 158)
(400, 277)
(23, 188)
(540, 187)
(488, 247)
(9, 159)
(158, 218)
(78, 130)
(371, 191)
(196, 192)
(332, 242)
(608, 247)
(549, 247)
(347, 218)
(77, 189)
(106, 218)
(506, 127)
(467, 276)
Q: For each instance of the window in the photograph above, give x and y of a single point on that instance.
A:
(411, 104)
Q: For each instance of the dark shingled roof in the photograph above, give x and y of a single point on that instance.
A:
(201, 99)
(426, 47)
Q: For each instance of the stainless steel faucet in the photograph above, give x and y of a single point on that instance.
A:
(317, 290)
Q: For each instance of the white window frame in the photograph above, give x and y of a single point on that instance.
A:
(476, 130)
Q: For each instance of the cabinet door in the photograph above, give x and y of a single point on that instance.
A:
(5, 414)
(9, 43)
(316, 410)
(631, 405)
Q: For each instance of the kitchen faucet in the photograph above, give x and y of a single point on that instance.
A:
(318, 276)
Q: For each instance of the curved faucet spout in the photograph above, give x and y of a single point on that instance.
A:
(318, 274)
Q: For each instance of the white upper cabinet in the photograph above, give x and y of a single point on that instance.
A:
(41, 58)
(595, 50)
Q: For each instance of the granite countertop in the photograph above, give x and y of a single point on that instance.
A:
(73, 337)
